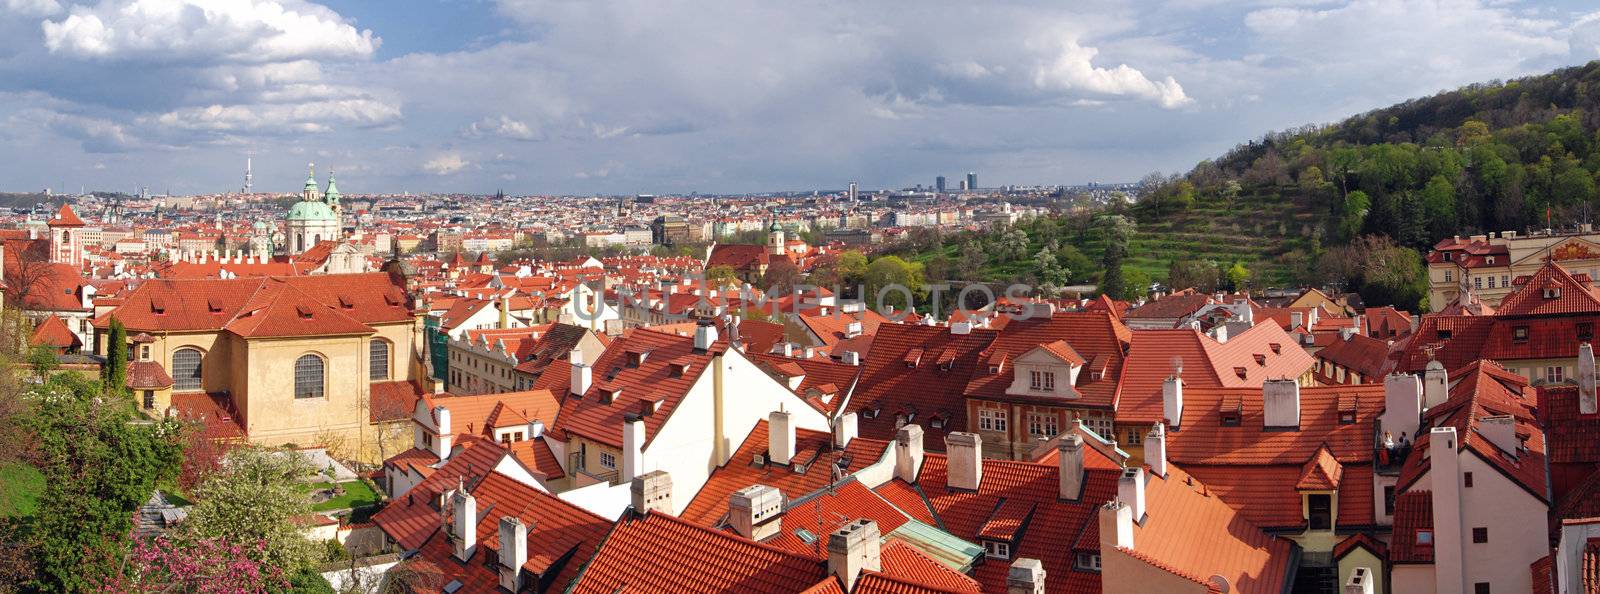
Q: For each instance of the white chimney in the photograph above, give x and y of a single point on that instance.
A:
(441, 446)
(705, 335)
(1220, 332)
(1586, 380)
(464, 521)
(1281, 402)
(1501, 430)
(852, 329)
(1155, 450)
(582, 376)
(780, 437)
(1360, 582)
(1069, 454)
(1026, 576)
(1402, 406)
(853, 548)
(1435, 385)
(844, 430)
(756, 511)
(513, 552)
(964, 454)
(1130, 491)
(908, 453)
(652, 492)
(1171, 400)
(1346, 332)
(959, 328)
(632, 447)
(1447, 541)
(1116, 526)
(851, 358)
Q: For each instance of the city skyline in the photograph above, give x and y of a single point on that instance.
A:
(621, 98)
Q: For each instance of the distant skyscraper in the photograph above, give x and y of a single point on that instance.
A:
(972, 181)
(964, 186)
(852, 191)
(938, 183)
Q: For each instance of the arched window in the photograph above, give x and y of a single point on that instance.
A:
(186, 369)
(378, 359)
(309, 378)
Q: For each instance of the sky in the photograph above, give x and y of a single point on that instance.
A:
(714, 96)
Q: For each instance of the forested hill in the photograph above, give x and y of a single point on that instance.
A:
(1487, 157)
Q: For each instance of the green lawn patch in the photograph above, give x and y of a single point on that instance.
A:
(356, 494)
(19, 492)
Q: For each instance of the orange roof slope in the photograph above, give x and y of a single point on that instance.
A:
(633, 385)
(660, 553)
(53, 332)
(902, 376)
(1093, 338)
(813, 449)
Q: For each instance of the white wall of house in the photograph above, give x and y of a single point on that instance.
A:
(1517, 524)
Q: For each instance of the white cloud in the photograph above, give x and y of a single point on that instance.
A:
(240, 31)
(33, 8)
(314, 116)
(445, 164)
(1073, 70)
(503, 127)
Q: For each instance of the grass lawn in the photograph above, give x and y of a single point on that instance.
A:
(19, 492)
(356, 494)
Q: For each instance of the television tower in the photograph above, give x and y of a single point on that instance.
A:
(248, 177)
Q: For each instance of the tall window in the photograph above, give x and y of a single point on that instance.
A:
(378, 359)
(1044, 381)
(308, 377)
(186, 369)
(991, 420)
(1042, 424)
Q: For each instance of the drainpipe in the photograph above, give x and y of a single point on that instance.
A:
(719, 449)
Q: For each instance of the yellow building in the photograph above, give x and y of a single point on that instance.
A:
(304, 360)
(1489, 265)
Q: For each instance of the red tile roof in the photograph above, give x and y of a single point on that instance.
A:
(147, 375)
(653, 380)
(904, 562)
(822, 378)
(1076, 337)
(337, 301)
(214, 411)
(657, 552)
(393, 401)
(1573, 437)
(1321, 473)
(1175, 305)
(813, 449)
(1549, 291)
(65, 218)
(1360, 353)
(54, 333)
(411, 519)
(890, 387)
(1484, 389)
(1413, 512)
(737, 256)
(824, 512)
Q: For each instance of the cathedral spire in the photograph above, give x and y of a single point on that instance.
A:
(310, 192)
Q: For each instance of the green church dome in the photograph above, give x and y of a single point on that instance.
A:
(311, 211)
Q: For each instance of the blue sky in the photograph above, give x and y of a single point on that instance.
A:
(632, 96)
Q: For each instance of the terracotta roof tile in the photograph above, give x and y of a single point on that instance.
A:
(661, 553)
(1413, 513)
(148, 375)
(887, 385)
(652, 379)
(710, 504)
(54, 333)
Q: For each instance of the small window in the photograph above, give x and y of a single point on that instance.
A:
(1480, 535)
(1466, 479)
(1480, 588)
(608, 460)
(1445, 334)
(997, 550)
(1490, 259)
(1388, 500)
(1519, 334)
(1347, 417)
(1087, 562)
(1425, 538)
(1586, 331)
(1555, 374)
(1135, 436)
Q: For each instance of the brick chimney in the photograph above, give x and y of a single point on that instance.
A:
(908, 453)
(513, 552)
(632, 446)
(1026, 576)
(1360, 582)
(1130, 491)
(1435, 385)
(1586, 380)
(964, 456)
(756, 511)
(1402, 406)
(1446, 476)
(652, 491)
(1171, 400)
(1155, 450)
(464, 521)
(853, 548)
(1069, 458)
(1116, 526)
(844, 430)
(1281, 403)
(441, 446)
(780, 437)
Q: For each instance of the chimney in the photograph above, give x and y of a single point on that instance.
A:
(582, 376)
(1447, 542)
(852, 329)
(505, 312)
(704, 335)
(1360, 582)
(464, 525)
(1402, 406)
(1500, 430)
(1069, 455)
(1026, 576)
(780, 437)
(844, 430)
(1346, 332)
(441, 446)
(1116, 527)
(1155, 450)
(652, 492)
(851, 358)
(1220, 332)
(756, 511)
(513, 552)
(851, 549)
(632, 446)
(1586, 380)
(1171, 400)
(964, 456)
(960, 328)
(1435, 385)
(1130, 491)
(908, 453)
(1281, 403)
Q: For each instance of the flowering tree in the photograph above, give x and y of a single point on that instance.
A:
(163, 563)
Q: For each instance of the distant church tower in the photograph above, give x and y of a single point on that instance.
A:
(66, 246)
(775, 242)
(313, 220)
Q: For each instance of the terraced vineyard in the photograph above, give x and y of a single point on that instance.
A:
(1256, 230)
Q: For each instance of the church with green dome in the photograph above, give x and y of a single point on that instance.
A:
(317, 217)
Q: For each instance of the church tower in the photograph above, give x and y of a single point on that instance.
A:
(311, 221)
(66, 245)
(775, 242)
(331, 197)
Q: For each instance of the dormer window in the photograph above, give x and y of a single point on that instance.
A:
(1585, 331)
(1347, 417)
(1241, 372)
(1425, 537)
(1094, 376)
(1489, 259)
(305, 312)
(1448, 256)
(913, 357)
(1087, 562)
(1232, 411)
(1042, 381)
(871, 412)
(1519, 334)
(1444, 334)
(1552, 292)
(636, 358)
(1261, 359)
(610, 395)
(1277, 348)
(213, 305)
(994, 549)
(158, 306)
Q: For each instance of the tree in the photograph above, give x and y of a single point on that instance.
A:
(1238, 276)
(168, 563)
(1117, 231)
(116, 370)
(721, 276)
(889, 271)
(1439, 202)
(1202, 275)
(1013, 245)
(99, 466)
(42, 360)
(781, 274)
(1354, 215)
(253, 499)
(1136, 285)
(853, 267)
(971, 262)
